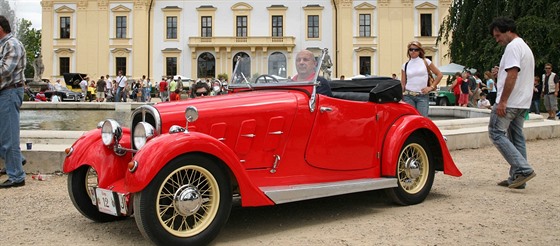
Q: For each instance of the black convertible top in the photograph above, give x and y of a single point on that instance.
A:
(359, 85)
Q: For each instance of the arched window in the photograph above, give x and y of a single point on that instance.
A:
(244, 66)
(277, 64)
(206, 65)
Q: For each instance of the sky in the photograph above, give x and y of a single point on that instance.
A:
(28, 9)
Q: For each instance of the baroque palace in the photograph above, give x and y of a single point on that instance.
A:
(200, 39)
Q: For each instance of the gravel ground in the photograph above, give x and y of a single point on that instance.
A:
(470, 210)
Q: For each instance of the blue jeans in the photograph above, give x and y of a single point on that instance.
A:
(10, 103)
(145, 94)
(420, 102)
(507, 135)
(120, 95)
(535, 106)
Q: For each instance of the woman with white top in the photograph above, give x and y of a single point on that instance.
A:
(415, 83)
(491, 85)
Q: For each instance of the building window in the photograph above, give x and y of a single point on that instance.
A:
(243, 69)
(171, 66)
(206, 30)
(241, 24)
(64, 27)
(365, 25)
(171, 27)
(121, 64)
(312, 26)
(277, 26)
(277, 64)
(365, 65)
(206, 66)
(64, 65)
(426, 25)
(121, 26)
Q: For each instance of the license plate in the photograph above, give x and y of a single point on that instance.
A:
(106, 201)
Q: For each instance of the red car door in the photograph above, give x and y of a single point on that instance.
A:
(343, 135)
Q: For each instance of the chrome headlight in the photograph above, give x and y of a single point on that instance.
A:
(191, 114)
(142, 133)
(111, 131)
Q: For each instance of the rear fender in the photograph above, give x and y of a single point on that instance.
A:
(90, 150)
(161, 150)
(401, 129)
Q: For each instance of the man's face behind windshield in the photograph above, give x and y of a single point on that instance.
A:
(305, 64)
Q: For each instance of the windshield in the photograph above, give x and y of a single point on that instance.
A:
(308, 64)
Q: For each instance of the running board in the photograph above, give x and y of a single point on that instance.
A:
(292, 193)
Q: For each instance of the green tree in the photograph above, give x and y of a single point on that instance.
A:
(29, 37)
(470, 42)
(7, 12)
(31, 40)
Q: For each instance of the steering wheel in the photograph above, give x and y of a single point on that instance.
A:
(266, 79)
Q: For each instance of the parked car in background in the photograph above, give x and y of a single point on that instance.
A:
(73, 80)
(181, 164)
(444, 97)
(186, 81)
(65, 95)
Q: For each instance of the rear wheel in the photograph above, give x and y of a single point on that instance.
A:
(415, 173)
(79, 182)
(187, 203)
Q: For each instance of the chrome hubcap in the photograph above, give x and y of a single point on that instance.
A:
(412, 168)
(187, 200)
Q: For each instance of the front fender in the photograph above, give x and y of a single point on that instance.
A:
(161, 150)
(90, 150)
(399, 131)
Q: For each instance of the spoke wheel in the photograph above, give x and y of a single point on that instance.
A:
(190, 199)
(79, 182)
(415, 173)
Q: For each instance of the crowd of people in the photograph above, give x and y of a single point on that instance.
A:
(122, 89)
(471, 91)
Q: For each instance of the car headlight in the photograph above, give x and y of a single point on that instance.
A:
(110, 131)
(142, 133)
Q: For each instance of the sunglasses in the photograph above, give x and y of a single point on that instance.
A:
(413, 49)
(201, 93)
(547, 68)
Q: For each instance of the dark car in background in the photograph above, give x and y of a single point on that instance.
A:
(65, 95)
(73, 84)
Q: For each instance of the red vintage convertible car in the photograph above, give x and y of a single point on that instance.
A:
(180, 164)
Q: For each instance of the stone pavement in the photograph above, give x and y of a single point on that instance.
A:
(471, 131)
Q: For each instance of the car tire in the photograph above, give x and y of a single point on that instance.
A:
(415, 172)
(78, 182)
(443, 102)
(187, 203)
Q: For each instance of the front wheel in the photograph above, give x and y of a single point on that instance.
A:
(79, 182)
(187, 203)
(415, 173)
(443, 102)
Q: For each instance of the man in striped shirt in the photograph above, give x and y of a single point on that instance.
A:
(12, 79)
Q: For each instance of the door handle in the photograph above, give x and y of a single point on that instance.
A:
(325, 109)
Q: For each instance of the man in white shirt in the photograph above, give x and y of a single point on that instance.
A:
(84, 87)
(108, 88)
(121, 83)
(515, 91)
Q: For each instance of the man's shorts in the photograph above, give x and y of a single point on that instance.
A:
(100, 94)
(550, 102)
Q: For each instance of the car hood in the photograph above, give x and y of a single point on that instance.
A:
(231, 109)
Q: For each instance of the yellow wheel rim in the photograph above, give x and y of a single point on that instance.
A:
(188, 201)
(91, 181)
(413, 168)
